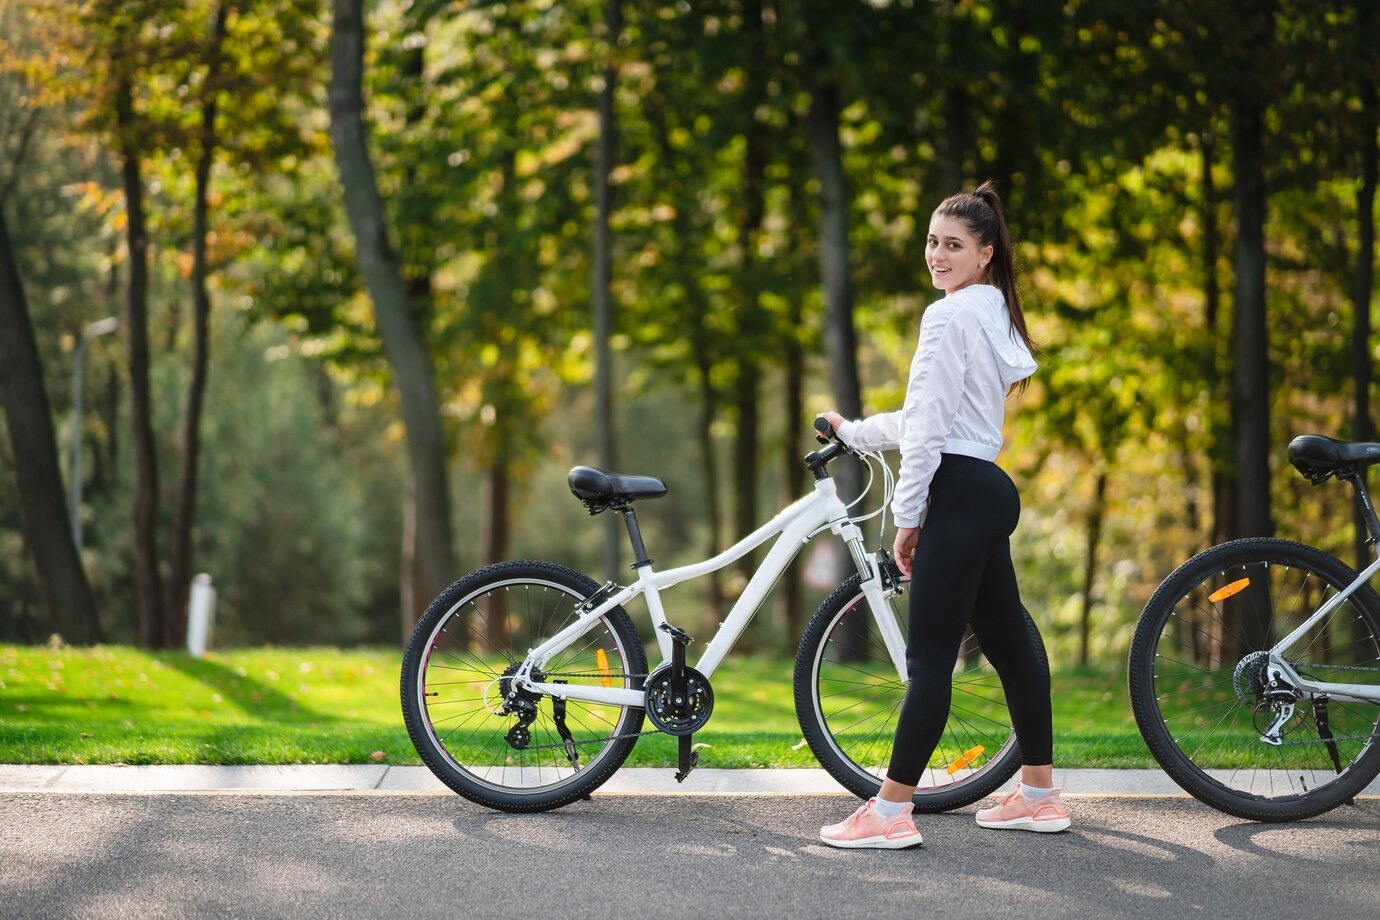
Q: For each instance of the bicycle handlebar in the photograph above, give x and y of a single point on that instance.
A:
(822, 426)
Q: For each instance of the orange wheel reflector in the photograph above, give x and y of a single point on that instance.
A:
(605, 677)
(966, 758)
(1227, 591)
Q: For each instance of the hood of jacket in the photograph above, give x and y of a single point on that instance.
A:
(1014, 361)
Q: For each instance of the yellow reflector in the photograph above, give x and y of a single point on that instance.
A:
(603, 662)
(1227, 591)
(966, 758)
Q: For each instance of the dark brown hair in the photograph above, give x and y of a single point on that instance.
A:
(981, 210)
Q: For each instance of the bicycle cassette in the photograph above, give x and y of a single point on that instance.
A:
(681, 713)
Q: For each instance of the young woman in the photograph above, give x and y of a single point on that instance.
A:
(974, 347)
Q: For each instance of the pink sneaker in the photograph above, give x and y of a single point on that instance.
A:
(866, 828)
(1046, 815)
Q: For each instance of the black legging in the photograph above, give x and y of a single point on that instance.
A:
(963, 577)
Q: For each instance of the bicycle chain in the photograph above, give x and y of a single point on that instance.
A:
(606, 738)
(1330, 667)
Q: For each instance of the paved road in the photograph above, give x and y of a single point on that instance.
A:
(290, 855)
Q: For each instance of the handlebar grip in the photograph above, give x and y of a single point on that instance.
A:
(822, 426)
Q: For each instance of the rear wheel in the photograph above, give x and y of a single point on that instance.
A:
(523, 751)
(1201, 691)
(848, 698)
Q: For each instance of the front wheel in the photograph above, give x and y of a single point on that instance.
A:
(848, 697)
(518, 751)
(1204, 699)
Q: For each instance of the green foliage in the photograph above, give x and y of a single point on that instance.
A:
(298, 521)
(1102, 121)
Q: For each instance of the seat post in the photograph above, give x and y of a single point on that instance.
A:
(1357, 477)
(635, 534)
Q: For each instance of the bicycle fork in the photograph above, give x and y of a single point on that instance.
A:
(880, 580)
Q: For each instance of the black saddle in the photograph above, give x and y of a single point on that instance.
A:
(600, 489)
(1319, 458)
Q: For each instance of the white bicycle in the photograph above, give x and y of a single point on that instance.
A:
(1255, 668)
(525, 684)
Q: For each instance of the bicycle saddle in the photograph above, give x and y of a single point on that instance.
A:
(1317, 457)
(599, 489)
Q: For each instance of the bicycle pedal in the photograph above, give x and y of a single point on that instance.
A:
(682, 773)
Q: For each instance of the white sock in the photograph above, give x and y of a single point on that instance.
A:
(1034, 793)
(888, 809)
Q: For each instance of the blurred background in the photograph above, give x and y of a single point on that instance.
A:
(382, 272)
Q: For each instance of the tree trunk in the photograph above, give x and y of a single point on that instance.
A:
(1092, 539)
(958, 113)
(42, 500)
(432, 555)
(792, 470)
(752, 321)
(1223, 485)
(1363, 281)
(1249, 619)
(840, 339)
(793, 477)
(148, 581)
(184, 519)
(602, 276)
(1251, 390)
(702, 356)
(709, 464)
(496, 539)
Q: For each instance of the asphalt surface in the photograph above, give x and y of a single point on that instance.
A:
(250, 854)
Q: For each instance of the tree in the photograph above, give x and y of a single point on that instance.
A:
(1251, 365)
(601, 277)
(836, 276)
(43, 502)
(428, 547)
(122, 56)
(180, 556)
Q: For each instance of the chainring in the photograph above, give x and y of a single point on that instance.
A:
(678, 716)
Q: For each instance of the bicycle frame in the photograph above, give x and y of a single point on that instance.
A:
(795, 525)
(1279, 669)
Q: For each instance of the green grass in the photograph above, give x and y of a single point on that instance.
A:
(108, 705)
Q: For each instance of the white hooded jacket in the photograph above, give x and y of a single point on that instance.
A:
(967, 359)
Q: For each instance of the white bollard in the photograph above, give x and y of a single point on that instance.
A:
(201, 611)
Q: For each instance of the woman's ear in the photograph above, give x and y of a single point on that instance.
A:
(985, 256)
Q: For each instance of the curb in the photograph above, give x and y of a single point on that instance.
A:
(383, 779)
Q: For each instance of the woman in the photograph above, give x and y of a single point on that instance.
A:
(974, 346)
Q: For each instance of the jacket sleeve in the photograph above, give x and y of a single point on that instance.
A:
(932, 399)
(876, 432)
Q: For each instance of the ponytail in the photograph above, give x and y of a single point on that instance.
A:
(982, 211)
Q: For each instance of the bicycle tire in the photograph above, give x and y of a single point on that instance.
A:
(452, 687)
(1194, 676)
(848, 697)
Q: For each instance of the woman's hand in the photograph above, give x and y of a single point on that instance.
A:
(833, 418)
(904, 547)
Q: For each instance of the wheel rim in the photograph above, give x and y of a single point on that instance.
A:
(1210, 697)
(858, 699)
(461, 682)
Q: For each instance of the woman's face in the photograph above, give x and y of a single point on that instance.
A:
(953, 255)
